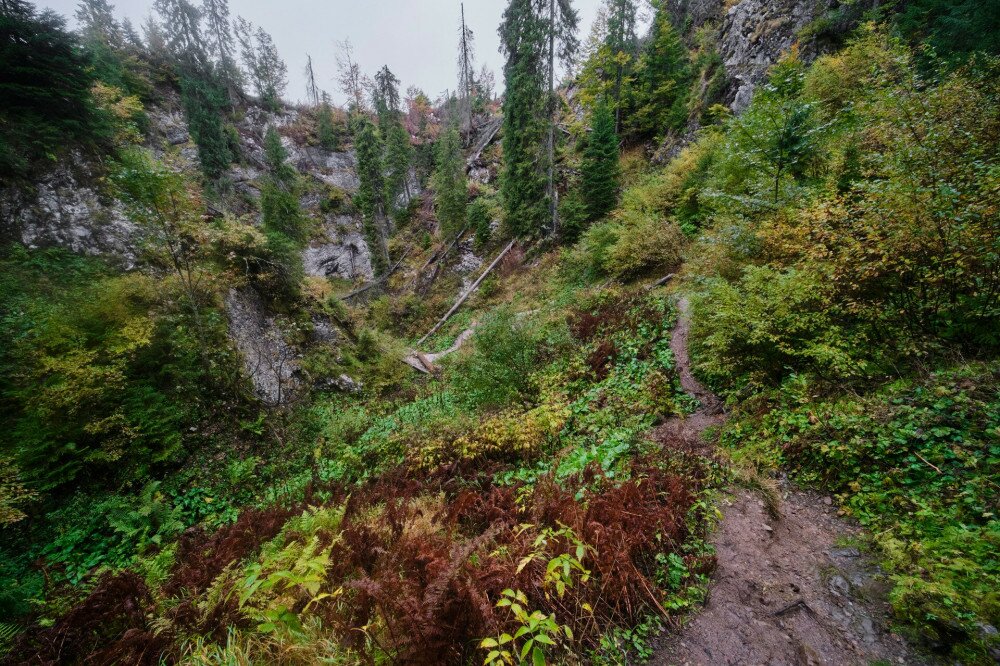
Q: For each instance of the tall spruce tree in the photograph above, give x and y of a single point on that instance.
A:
(371, 197)
(385, 98)
(663, 80)
(624, 43)
(326, 129)
(203, 95)
(563, 41)
(265, 68)
(398, 161)
(601, 171)
(523, 39)
(219, 41)
(44, 85)
(450, 184)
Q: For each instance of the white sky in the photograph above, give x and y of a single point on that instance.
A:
(416, 38)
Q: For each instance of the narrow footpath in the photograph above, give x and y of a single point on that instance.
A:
(788, 590)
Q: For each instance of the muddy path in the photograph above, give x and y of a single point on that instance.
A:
(788, 590)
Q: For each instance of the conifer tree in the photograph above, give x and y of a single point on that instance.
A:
(523, 39)
(562, 26)
(204, 96)
(370, 197)
(204, 100)
(326, 130)
(385, 99)
(398, 160)
(279, 203)
(219, 40)
(266, 69)
(44, 88)
(623, 42)
(181, 23)
(663, 75)
(600, 169)
(97, 22)
(450, 185)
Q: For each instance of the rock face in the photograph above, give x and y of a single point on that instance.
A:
(63, 211)
(336, 169)
(270, 363)
(342, 253)
(755, 34)
(752, 35)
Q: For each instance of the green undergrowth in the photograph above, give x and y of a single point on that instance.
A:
(916, 463)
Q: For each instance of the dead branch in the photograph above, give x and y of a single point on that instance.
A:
(378, 281)
(469, 292)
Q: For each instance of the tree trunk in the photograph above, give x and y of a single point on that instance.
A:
(553, 207)
(465, 296)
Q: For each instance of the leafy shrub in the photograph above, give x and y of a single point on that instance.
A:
(632, 245)
(512, 436)
(85, 396)
(768, 325)
(498, 371)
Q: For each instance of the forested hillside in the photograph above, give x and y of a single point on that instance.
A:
(690, 314)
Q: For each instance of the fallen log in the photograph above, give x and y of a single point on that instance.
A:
(378, 281)
(465, 296)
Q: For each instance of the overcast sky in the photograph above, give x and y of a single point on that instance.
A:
(416, 38)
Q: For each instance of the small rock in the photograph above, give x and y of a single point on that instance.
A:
(767, 527)
(840, 586)
(828, 501)
(345, 383)
(845, 552)
(867, 630)
(987, 630)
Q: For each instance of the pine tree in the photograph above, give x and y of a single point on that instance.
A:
(663, 77)
(398, 160)
(204, 101)
(326, 129)
(562, 26)
(279, 203)
(181, 23)
(203, 94)
(266, 69)
(219, 41)
(98, 24)
(44, 85)
(450, 185)
(600, 168)
(104, 41)
(385, 99)
(523, 39)
(623, 42)
(370, 197)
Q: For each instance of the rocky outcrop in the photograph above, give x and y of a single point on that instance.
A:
(340, 253)
(270, 363)
(752, 35)
(755, 34)
(62, 210)
(481, 170)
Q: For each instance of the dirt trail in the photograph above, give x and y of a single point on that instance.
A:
(786, 591)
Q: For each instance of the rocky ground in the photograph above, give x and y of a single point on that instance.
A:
(789, 589)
